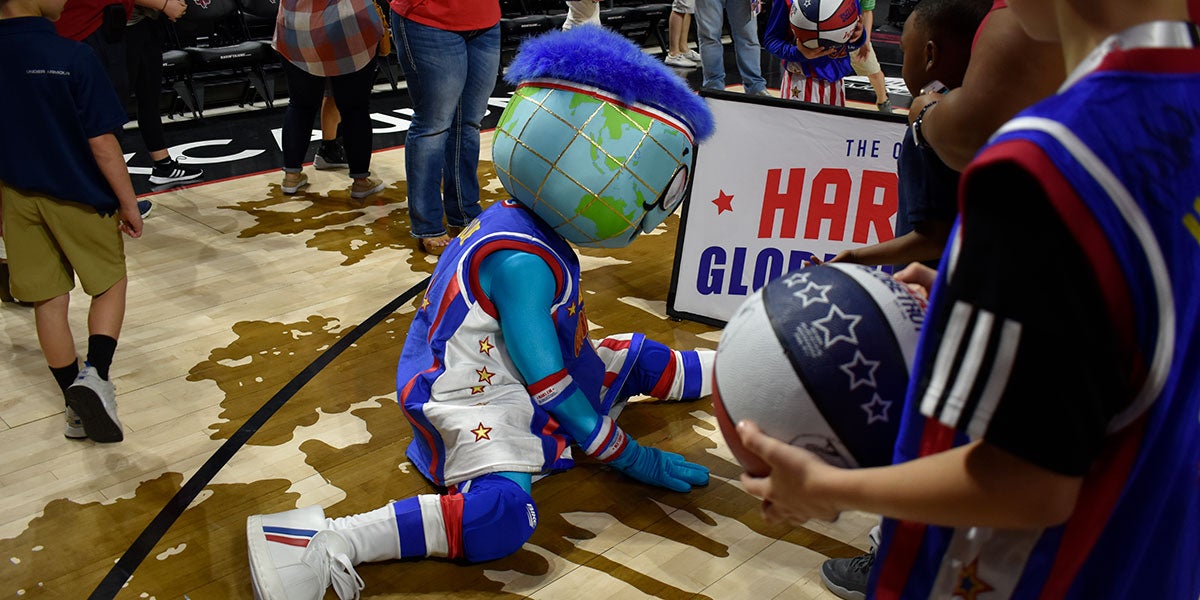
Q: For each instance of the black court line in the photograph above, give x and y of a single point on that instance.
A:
(144, 544)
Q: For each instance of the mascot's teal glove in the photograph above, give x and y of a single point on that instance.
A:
(612, 445)
(657, 467)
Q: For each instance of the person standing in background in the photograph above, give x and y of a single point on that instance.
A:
(319, 42)
(809, 74)
(450, 53)
(582, 12)
(864, 62)
(743, 27)
(680, 21)
(128, 38)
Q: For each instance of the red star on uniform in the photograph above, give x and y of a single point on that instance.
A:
(485, 346)
(724, 202)
(481, 432)
(484, 374)
(476, 389)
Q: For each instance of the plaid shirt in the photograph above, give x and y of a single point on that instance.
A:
(328, 37)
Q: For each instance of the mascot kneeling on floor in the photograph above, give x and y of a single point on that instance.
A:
(498, 376)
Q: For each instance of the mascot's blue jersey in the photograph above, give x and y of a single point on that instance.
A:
(1117, 152)
(468, 405)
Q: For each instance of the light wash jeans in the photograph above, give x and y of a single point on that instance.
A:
(743, 28)
(450, 75)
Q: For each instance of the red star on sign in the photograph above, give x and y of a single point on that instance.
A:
(724, 202)
(481, 432)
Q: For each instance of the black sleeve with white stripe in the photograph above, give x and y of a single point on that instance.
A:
(1028, 360)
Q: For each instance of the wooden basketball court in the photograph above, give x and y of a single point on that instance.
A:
(234, 290)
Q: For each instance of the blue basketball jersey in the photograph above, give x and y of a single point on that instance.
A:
(1117, 151)
(469, 408)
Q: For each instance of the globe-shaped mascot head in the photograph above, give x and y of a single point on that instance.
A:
(599, 138)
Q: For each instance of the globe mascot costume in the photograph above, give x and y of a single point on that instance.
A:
(498, 376)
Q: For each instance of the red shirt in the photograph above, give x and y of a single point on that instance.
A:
(81, 18)
(996, 5)
(451, 15)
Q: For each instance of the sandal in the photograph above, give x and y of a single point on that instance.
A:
(435, 245)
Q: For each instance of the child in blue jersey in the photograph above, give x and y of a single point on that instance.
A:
(1051, 439)
(811, 75)
(498, 376)
(66, 199)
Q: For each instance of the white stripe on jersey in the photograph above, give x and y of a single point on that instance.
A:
(968, 372)
(972, 359)
(947, 350)
(1006, 354)
(1160, 364)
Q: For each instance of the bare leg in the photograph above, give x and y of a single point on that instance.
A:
(878, 82)
(54, 331)
(330, 117)
(677, 33)
(107, 312)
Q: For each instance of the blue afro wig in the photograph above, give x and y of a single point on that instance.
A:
(603, 59)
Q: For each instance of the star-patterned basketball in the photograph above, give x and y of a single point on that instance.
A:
(819, 358)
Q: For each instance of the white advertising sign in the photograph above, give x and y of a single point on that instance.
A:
(776, 184)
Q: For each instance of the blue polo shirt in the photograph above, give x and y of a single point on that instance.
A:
(928, 189)
(56, 95)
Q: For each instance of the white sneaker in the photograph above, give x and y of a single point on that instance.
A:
(294, 557)
(74, 426)
(681, 61)
(692, 55)
(94, 400)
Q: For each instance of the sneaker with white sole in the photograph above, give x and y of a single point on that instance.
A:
(73, 430)
(365, 187)
(294, 556)
(144, 208)
(330, 155)
(847, 577)
(292, 182)
(173, 172)
(681, 61)
(94, 400)
(692, 55)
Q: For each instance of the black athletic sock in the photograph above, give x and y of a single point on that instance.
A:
(65, 376)
(100, 353)
(164, 163)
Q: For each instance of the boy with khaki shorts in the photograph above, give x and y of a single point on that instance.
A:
(64, 203)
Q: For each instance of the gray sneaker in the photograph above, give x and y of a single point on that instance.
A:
(73, 430)
(847, 577)
(95, 401)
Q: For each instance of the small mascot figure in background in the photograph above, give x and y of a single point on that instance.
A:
(498, 376)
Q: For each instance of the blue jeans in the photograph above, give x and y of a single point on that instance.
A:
(450, 76)
(743, 28)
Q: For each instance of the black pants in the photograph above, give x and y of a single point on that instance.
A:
(134, 63)
(143, 56)
(351, 93)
